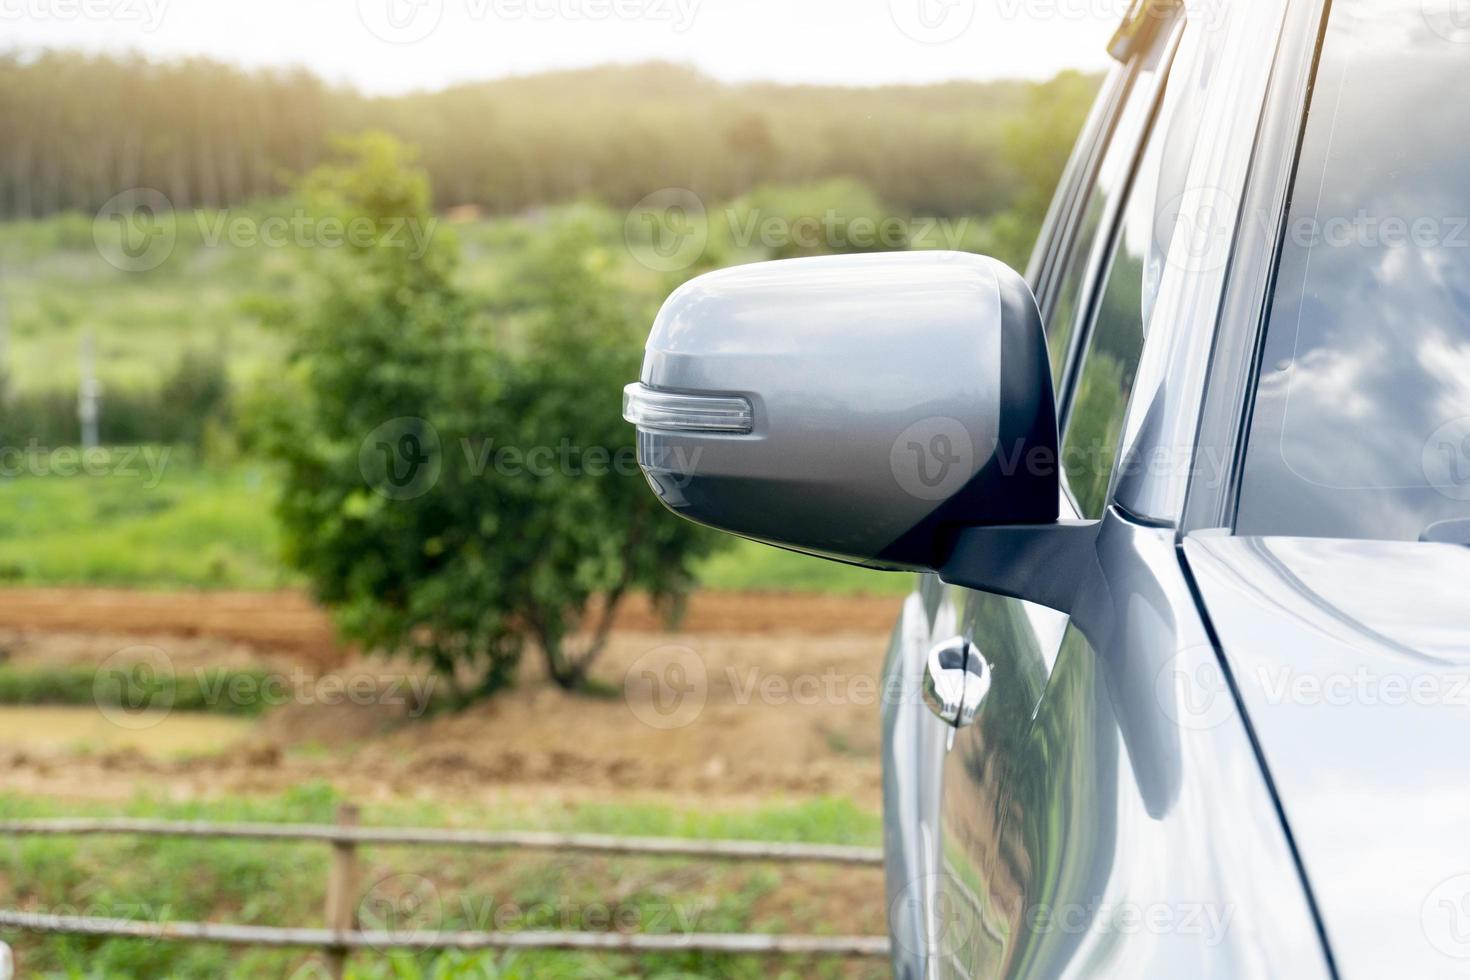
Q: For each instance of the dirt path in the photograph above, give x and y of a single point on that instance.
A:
(719, 717)
(288, 621)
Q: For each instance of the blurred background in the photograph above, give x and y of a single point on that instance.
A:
(314, 489)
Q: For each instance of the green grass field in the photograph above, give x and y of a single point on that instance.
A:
(203, 526)
(281, 884)
(211, 526)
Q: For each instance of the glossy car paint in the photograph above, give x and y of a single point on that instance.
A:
(1353, 662)
(1213, 109)
(915, 744)
(1231, 757)
(1085, 795)
(1093, 826)
(938, 349)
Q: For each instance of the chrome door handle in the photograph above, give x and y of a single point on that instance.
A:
(956, 680)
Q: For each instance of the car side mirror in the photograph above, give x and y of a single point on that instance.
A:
(857, 407)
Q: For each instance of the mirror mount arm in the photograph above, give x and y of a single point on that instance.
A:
(1047, 564)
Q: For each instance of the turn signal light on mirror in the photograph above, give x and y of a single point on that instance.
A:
(672, 411)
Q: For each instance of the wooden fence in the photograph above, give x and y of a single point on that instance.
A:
(341, 935)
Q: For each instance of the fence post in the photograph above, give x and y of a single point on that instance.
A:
(342, 891)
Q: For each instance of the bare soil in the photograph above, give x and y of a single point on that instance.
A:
(288, 622)
(755, 697)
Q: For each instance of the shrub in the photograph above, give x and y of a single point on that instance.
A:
(400, 503)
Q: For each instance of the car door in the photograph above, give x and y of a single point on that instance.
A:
(1091, 820)
(943, 804)
(984, 873)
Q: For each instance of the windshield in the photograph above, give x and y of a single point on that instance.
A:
(1361, 424)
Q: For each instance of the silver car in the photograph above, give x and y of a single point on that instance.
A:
(1184, 688)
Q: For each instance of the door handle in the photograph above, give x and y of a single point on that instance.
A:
(956, 680)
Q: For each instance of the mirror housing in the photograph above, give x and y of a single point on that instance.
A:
(857, 407)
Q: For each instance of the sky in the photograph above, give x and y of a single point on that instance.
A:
(392, 46)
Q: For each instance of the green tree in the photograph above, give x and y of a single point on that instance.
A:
(454, 488)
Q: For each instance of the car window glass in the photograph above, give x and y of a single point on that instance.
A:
(1110, 360)
(1361, 421)
(1101, 201)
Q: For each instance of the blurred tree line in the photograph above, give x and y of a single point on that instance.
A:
(406, 374)
(79, 128)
